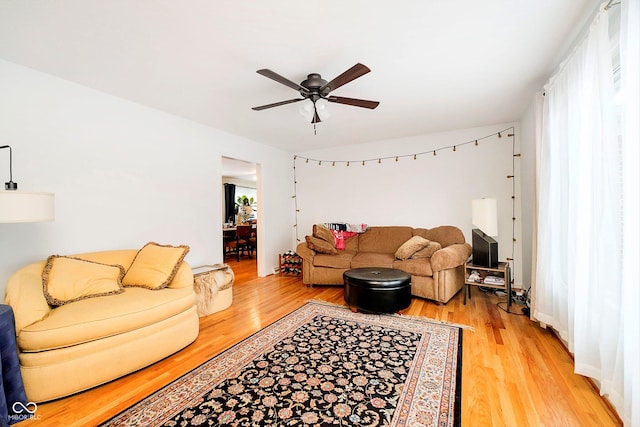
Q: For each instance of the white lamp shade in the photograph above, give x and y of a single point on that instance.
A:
(484, 215)
(22, 206)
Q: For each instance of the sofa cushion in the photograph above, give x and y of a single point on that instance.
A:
(384, 239)
(320, 245)
(154, 266)
(411, 246)
(415, 266)
(341, 260)
(373, 259)
(322, 232)
(351, 244)
(95, 318)
(68, 279)
(427, 251)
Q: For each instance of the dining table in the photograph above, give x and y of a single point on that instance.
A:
(229, 233)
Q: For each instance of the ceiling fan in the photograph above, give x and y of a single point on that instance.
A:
(316, 88)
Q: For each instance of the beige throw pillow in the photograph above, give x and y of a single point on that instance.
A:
(322, 232)
(428, 251)
(155, 266)
(320, 245)
(411, 246)
(67, 279)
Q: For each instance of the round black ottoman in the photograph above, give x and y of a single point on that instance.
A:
(377, 290)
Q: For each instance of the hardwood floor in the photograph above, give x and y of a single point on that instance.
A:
(514, 373)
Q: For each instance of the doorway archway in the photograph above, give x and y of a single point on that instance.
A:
(244, 176)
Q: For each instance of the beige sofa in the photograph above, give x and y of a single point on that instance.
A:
(72, 347)
(438, 277)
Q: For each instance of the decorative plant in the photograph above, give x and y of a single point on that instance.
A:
(245, 201)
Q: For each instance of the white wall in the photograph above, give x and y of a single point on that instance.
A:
(426, 192)
(124, 174)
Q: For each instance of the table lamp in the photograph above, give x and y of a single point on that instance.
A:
(484, 215)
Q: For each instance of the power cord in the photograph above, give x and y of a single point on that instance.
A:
(522, 310)
(522, 300)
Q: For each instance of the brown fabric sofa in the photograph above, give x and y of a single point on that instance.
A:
(437, 278)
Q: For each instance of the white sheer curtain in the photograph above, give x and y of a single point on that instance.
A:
(579, 287)
(630, 74)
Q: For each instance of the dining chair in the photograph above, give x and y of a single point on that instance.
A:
(253, 240)
(228, 242)
(242, 242)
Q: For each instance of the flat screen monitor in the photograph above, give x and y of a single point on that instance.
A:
(485, 249)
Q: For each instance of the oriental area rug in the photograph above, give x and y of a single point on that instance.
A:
(321, 365)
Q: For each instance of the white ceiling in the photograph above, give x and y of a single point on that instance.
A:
(436, 65)
(239, 169)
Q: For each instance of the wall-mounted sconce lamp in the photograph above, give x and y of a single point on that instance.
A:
(23, 206)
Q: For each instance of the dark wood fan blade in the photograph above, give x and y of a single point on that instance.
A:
(283, 80)
(352, 101)
(344, 78)
(276, 104)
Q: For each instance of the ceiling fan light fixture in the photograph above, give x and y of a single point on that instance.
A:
(316, 90)
(321, 108)
(306, 109)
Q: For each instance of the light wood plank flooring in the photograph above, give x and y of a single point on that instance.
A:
(514, 373)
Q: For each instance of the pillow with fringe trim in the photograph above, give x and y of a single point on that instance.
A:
(155, 266)
(67, 279)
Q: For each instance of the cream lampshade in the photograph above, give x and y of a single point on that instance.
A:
(22, 206)
(484, 215)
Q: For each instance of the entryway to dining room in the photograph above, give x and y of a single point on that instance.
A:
(240, 211)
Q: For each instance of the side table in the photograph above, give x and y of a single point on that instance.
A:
(501, 275)
(213, 285)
